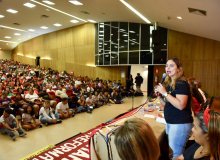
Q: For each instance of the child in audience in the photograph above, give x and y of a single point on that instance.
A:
(82, 102)
(138, 91)
(96, 100)
(117, 98)
(90, 101)
(5, 102)
(105, 99)
(9, 124)
(131, 92)
(63, 111)
(46, 115)
(27, 117)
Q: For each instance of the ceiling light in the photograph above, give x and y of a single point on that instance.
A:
(125, 35)
(12, 11)
(12, 28)
(0, 48)
(132, 31)
(135, 11)
(102, 26)
(44, 27)
(101, 31)
(7, 41)
(74, 21)
(17, 34)
(179, 17)
(30, 5)
(7, 37)
(76, 2)
(58, 10)
(31, 30)
(57, 24)
(29, 36)
(48, 2)
(101, 35)
(1, 16)
(19, 39)
(91, 21)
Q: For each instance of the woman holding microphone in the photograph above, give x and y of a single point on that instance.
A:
(177, 100)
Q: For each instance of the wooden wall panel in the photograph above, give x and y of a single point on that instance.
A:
(200, 57)
(71, 49)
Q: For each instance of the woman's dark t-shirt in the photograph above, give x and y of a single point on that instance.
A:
(172, 114)
(190, 152)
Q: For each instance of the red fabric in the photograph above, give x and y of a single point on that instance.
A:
(74, 148)
(197, 105)
(206, 117)
(69, 92)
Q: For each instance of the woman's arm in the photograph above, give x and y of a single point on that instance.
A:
(179, 102)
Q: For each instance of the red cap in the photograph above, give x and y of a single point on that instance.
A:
(206, 117)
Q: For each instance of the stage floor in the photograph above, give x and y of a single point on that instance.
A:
(53, 134)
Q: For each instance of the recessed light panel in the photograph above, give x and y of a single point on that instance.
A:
(7, 37)
(91, 21)
(44, 27)
(12, 11)
(30, 5)
(57, 24)
(1, 16)
(48, 2)
(8, 41)
(135, 11)
(75, 2)
(179, 17)
(17, 34)
(31, 30)
(74, 21)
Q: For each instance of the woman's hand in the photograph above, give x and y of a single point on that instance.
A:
(160, 89)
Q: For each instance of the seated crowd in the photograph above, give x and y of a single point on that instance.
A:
(49, 96)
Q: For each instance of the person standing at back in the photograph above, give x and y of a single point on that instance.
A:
(177, 100)
(138, 80)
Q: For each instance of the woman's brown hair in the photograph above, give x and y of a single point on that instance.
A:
(180, 74)
(135, 140)
(214, 129)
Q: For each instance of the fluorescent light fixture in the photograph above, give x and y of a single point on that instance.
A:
(0, 48)
(12, 28)
(17, 34)
(44, 27)
(74, 21)
(7, 37)
(12, 10)
(30, 5)
(135, 11)
(102, 26)
(29, 36)
(125, 35)
(58, 10)
(132, 31)
(179, 17)
(101, 35)
(8, 41)
(48, 2)
(1, 16)
(57, 24)
(19, 39)
(101, 31)
(31, 30)
(76, 2)
(91, 21)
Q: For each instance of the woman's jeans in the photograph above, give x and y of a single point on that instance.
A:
(178, 134)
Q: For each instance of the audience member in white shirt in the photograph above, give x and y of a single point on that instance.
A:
(63, 111)
(46, 114)
(31, 97)
(90, 101)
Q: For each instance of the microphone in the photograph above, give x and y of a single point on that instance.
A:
(163, 78)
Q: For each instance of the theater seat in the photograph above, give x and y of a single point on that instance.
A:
(69, 92)
(13, 97)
